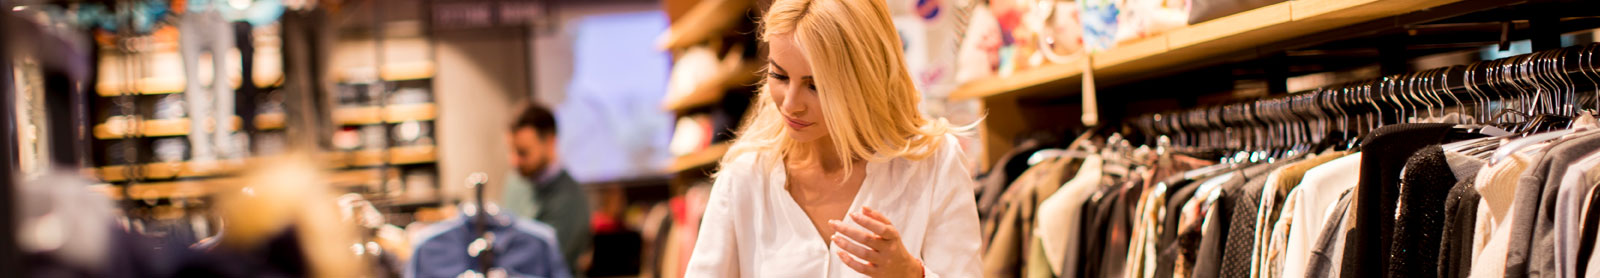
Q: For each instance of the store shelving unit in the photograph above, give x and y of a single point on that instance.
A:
(702, 158)
(717, 25)
(363, 169)
(1197, 43)
(1262, 35)
(203, 187)
(706, 21)
(388, 114)
(119, 127)
(711, 91)
(363, 115)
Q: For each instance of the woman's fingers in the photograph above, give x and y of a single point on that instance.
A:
(876, 215)
(877, 223)
(856, 233)
(856, 249)
(872, 225)
(853, 263)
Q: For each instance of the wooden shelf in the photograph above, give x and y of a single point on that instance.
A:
(204, 187)
(703, 22)
(397, 156)
(270, 121)
(162, 190)
(119, 127)
(162, 70)
(359, 177)
(708, 156)
(402, 71)
(186, 169)
(152, 86)
(161, 170)
(394, 71)
(1198, 43)
(711, 90)
(392, 114)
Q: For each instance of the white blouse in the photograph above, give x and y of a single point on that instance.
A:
(753, 228)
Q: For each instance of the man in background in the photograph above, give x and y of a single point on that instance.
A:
(541, 189)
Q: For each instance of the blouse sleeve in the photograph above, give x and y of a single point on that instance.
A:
(951, 247)
(716, 252)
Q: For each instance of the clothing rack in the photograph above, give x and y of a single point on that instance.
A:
(1540, 83)
(1524, 94)
(480, 222)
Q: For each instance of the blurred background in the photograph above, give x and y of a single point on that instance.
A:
(387, 138)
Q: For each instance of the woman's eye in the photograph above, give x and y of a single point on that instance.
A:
(779, 77)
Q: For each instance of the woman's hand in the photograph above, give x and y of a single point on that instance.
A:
(880, 253)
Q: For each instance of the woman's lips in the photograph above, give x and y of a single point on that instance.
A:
(796, 124)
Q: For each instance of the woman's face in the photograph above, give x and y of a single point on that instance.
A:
(793, 90)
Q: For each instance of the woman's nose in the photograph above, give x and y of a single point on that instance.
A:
(791, 101)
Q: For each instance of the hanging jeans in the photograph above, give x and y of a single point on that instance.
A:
(309, 94)
(200, 33)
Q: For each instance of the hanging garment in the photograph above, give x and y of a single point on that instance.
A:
(309, 94)
(1013, 231)
(210, 106)
(244, 41)
(1589, 263)
(1278, 185)
(1235, 213)
(1388, 148)
(1244, 214)
(1093, 227)
(1272, 259)
(1455, 246)
(1207, 263)
(1530, 251)
(1173, 172)
(753, 228)
(1329, 249)
(1119, 225)
(1319, 190)
(523, 248)
(1193, 224)
(1461, 210)
(1059, 214)
(1266, 216)
(1569, 206)
(1170, 248)
(1037, 264)
(1141, 249)
(993, 184)
(1496, 184)
(1141, 261)
(1424, 187)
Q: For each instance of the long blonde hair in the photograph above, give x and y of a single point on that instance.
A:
(868, 99)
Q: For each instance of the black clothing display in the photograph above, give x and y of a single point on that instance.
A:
(309, 94)
(1461, 216)
(1424, 187)
(1385, 154)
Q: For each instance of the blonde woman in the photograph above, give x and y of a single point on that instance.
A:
(837, 173)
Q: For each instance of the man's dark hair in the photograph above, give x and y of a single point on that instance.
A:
(538, 118)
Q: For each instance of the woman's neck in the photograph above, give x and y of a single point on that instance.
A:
(821, 152)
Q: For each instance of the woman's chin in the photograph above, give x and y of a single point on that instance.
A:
(801, 137)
